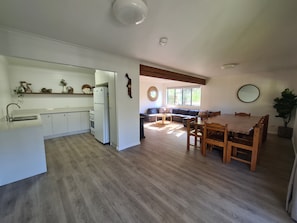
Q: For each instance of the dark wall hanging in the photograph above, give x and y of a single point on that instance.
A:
(129, 86)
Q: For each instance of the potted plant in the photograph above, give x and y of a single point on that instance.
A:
(284, 106)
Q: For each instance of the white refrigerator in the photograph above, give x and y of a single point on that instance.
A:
(101, 114)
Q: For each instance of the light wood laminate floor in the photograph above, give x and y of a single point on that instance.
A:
(157, 181)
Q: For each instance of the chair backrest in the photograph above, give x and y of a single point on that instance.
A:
(203, 115)
(250, 144)
(216, 131)
(265, 127)
(257, 137)
(189, 122)
(192, 130)
(260, 125)
(217, 135)
(215, 113)
(242, 114)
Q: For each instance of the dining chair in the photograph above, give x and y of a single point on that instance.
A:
(193, 131)
(246, 148)
(215, 113)
(249, 137)
(215, 134)
(265, 127)
(203, 115)
(243, 114)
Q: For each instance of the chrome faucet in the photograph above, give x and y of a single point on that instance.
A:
(8, 118)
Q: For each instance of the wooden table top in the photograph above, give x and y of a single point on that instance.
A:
(237, 124)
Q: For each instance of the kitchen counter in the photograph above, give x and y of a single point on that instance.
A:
(4, 125)
(42, 111)
(22, 151)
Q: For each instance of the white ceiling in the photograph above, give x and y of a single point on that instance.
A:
(261, 35)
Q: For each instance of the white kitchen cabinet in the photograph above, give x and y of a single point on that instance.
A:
(73, 121)
(47, 124)
(84, 121)
(67, 123)
(60, 124)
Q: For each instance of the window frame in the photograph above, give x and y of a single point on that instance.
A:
(175, 100)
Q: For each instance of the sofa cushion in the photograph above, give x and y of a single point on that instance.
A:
(152, 111)
(175, 111)
(184, 111)
(179, 111)
(193, 112)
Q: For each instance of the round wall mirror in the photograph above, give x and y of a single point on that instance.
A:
(248, 93)
(152, 93)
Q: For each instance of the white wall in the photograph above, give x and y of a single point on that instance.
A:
(144, 85)
(49, 75)
(128, 108)
(5, 96)
(220, 93)
(24, 45)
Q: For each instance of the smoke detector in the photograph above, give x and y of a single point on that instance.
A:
(163, 41)
(229, 66)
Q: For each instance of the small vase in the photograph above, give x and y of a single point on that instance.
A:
(64, 90)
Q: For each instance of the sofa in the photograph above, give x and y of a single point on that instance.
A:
(178, 114)
(150, 115)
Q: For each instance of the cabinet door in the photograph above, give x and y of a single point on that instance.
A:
(47, 124)
(85, 120)
(73, 120)
(59, 123)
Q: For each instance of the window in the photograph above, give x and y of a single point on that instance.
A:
(189, 96)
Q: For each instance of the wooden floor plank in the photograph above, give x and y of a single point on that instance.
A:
(157, 181)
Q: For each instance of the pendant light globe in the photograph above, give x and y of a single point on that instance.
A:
(130, 12)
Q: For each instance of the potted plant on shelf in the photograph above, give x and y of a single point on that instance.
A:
(284, 106)
(63, 83)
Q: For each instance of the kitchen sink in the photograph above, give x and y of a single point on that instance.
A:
(24, 118)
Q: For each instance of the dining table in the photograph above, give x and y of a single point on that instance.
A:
(236, 124)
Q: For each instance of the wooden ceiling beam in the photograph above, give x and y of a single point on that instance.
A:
(160, 73)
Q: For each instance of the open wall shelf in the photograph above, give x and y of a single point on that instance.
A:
(64, 94)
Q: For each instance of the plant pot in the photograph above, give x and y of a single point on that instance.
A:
(285, 132)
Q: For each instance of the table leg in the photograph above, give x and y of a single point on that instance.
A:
(163, 119)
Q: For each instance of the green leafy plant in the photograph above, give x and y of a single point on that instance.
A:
(63, 83)
(285, 104)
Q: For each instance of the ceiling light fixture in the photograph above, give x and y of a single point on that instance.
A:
(163, 41)
(229, 66)
(130, 12)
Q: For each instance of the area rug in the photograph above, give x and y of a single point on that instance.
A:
(169, 127)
